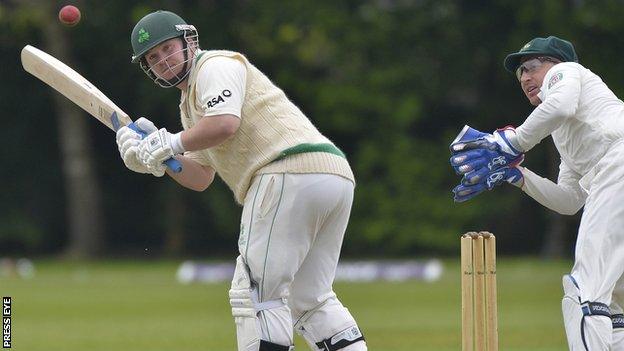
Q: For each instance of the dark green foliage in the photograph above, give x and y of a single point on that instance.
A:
(390, 82)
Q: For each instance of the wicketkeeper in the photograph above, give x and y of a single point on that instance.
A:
(295, 185)
(586, 122)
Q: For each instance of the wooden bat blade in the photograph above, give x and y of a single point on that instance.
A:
(71, 84)
(80, 91)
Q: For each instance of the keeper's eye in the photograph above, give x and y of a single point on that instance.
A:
(532, 65)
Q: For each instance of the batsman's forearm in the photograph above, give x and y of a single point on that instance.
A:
(209, 131)
(193, 175)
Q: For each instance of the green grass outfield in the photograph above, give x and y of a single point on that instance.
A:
(139, 306)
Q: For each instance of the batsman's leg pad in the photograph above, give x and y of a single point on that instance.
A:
(587, 324)
(245, 309)
(247, 329)
(275, 320)
(617, 315)
(330, 327)
(618, 331)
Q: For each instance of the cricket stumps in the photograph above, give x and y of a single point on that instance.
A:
(478, 294)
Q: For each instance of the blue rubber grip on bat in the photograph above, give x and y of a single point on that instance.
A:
(174, 165)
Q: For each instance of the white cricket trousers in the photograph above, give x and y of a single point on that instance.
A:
(292, 229)
(599, 258)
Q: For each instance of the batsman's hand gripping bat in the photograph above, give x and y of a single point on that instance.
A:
(80, 91)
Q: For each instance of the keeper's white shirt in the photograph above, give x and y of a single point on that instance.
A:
(585, 119)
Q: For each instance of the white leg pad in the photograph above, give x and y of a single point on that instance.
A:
(617, 315)
(276, 323)
(243, 310)
(330, 322)
(618, 332)
(592, 332)
(246, 309)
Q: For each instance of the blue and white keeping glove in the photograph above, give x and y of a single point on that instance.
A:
(472, 150)
(468, 189)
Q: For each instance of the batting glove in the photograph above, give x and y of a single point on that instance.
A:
(126, 138)
(158, 147)
(145, 125)
(127, 143)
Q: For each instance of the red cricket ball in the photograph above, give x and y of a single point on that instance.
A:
(69, 15)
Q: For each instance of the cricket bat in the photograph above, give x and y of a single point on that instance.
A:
(81, 92)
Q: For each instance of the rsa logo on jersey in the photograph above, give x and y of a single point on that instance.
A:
(219, 99)
(6, 322)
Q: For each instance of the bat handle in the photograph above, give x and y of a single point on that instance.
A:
(174, 165)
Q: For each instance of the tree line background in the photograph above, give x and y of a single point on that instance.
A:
(391, 82)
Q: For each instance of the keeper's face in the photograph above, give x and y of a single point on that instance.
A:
(531, 74)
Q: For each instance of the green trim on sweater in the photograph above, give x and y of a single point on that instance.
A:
(307, 147)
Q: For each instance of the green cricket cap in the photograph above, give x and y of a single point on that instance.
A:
(551, 46)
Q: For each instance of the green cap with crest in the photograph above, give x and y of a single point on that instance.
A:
(552, 46)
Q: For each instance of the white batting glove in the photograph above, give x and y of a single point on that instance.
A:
(148, 127)
(131, 160)
(127, 142)
(145, 125)
(158, 171)
(158, 147)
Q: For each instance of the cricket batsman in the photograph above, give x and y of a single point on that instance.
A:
(295, 185)
(586, 122)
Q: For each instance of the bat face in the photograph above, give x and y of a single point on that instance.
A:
(80, 91)
(72, 85)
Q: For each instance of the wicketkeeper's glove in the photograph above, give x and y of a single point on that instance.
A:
(485, 161)
(472, 150)
(467, 189)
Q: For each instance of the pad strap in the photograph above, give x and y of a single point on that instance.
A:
(595, 309)
(618, 320)
(268, 305)
(265, 305)
(346, 337)
(592, 309)
(269, 346)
